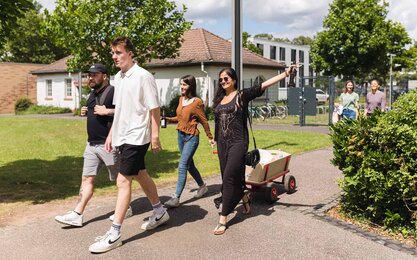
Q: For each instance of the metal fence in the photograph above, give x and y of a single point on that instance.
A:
(273, 106)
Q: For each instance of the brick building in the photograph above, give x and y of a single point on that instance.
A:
(16, 81)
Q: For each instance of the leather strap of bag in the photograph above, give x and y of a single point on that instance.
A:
(247, 116)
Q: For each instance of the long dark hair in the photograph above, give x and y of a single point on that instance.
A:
(220, 93)
(192, 86)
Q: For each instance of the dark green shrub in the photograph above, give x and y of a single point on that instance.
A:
(35, 109)
(171, 109)
(22, 104)
(378, 157)
(209, 113)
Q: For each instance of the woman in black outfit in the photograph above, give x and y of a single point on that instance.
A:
(231, 134)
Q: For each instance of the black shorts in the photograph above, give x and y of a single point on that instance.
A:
(132, 158)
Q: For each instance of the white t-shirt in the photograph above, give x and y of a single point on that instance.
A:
(135, 95)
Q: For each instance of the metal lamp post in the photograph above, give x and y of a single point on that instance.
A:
(391, 86)
(237, 40)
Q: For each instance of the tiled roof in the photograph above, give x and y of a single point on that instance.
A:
(200, 45)
(59, 66)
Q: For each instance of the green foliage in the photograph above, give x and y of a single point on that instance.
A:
(209, 113)
(22, 104)
(10, 12)
(171, 109)
(302, 40)
(87, 27)
(247, 44)
(36, 109)
(357, 38)
(265, 36)
(29, 43)
(378, 157)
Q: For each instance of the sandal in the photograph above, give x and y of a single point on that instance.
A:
(220, 229)
(247, 204)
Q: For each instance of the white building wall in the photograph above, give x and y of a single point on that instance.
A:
(167, 80)
(58, 98)
(288, 47)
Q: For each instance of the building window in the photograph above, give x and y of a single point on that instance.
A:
(49, 88)
(273, 53)
(301, 56)
(281, 53)
(68, 88)
(293, 55)
(261, 47)
(282, 82)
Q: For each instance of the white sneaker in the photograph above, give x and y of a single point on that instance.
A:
(129, 213)
(173, 202)
(201, 191)
(155, 221)
(71, 218)
(105, 243)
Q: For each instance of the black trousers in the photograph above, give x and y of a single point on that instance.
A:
(232, 167)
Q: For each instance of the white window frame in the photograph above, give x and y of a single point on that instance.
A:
(68, 88)
(48, 88)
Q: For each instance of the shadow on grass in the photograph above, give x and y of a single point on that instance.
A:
(280, 144)
(40, 181)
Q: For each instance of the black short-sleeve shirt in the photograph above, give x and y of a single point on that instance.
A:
(98, 127)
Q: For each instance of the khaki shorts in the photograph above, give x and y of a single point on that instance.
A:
(95, 156)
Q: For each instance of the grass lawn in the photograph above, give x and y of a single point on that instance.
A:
(41, 158)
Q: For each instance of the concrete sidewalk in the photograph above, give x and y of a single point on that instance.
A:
(295, 227)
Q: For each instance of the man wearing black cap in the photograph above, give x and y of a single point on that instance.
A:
(99, 112)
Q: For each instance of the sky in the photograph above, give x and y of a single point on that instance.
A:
(283, 19)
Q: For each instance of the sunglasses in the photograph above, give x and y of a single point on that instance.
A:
(225, 79)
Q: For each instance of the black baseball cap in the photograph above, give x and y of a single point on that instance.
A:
(98, 67)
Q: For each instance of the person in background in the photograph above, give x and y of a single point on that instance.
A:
(231, 134)
(349, 101)
(375, 99)
(135, 128)
(99, 112)
(189, 113)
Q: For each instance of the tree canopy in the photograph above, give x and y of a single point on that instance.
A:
(28, 42)
(357, 39)
(10, 12)
(247, 44)
(86, 28)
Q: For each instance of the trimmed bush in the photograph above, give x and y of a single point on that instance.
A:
(35, 109)
(378, 157)
(171, 109)
(22, 104)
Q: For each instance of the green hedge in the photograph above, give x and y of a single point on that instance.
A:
(378, 157)
(22, 104)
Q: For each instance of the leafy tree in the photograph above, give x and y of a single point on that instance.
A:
(357, 38)
(410, 62)
(282, 40)
(247, 44)
(302, 40)
(10, 11)
(29, 43)
(265, 36)
(87, 27)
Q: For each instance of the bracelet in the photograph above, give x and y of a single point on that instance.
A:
(287, 73)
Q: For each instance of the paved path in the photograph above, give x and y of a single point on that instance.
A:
(295, 227)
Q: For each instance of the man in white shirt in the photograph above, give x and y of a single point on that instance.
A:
(135, 127)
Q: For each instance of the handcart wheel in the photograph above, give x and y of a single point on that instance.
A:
(289, 183)
(271, 192)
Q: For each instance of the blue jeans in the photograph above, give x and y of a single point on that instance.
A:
(348, 113)
(187, 145)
